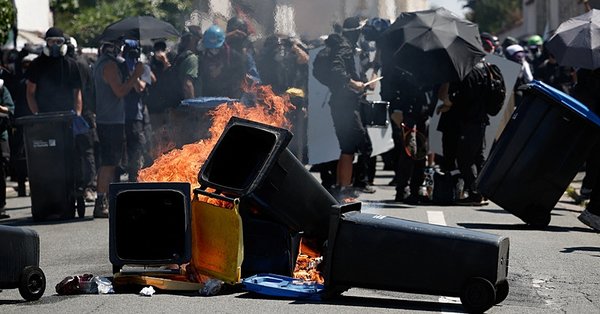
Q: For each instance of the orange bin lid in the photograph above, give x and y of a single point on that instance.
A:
(217, 240)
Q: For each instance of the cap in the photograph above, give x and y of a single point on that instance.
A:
(353, 23)
(54, 32)
(513, 49)
(535, 40)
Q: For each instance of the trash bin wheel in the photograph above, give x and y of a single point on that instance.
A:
(501, 291)
(80, 207)
(32, 284)
(478, 295)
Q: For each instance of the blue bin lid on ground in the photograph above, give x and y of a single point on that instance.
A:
(567, 101)
(206, 102)
(282, 286)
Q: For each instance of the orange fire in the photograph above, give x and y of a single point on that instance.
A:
(306, 264)
(183, 165)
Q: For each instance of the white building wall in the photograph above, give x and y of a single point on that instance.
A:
(34, 15)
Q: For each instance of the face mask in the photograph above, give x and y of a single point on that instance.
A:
(213, 51)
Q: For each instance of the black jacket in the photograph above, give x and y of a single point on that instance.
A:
(343, 64)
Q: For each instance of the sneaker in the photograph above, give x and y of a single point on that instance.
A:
(590, 220)
(89, 195)
(101, 208)
(472, 200)
(365, 189)
(584, 194)
(3, 214)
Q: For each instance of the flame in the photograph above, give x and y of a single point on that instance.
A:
(307, 264)
(183, 165)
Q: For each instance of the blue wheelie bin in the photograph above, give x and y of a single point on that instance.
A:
(539, 153)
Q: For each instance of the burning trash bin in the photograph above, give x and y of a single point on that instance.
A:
(539, 153)
(50, 152)
(251, 161)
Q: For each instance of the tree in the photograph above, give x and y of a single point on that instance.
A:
(85, 20)
(494, 16)
(7, 19)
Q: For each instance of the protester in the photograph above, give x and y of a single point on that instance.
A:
(17, 144)
(222, 69)
(237, 37)
(135, 137)
(536, 54)
(7, 108)
(464, 132)
(410, 109)
(586, 91)
(345, 87)
(187, 63)
(53, 80)
(283, 64)
(85, 137)
(111, 88)
(517, 54)
(555, 75)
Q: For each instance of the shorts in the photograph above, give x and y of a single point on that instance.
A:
(112, 140)
(351, 134)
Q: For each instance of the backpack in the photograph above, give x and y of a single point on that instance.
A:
(495, 90)
(444, 188)
(322, 66)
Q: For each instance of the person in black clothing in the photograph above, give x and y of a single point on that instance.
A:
(85, 141)
(283, 64)
(222, 69)
(53, 80)
(346, 88)
(16, 141)
(586, 91)
(463, 124)
(7, 108)
(555, 75)
(237, 38)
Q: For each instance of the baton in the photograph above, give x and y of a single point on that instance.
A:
(373, 81)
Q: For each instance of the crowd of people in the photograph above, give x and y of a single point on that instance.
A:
(123, 95)
(463, 120)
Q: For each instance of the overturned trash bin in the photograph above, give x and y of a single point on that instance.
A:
(20, 262)
(539, 153)
(250, 161)
(386, 253)
(50, 152)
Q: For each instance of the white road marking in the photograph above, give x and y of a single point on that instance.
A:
(437, 218)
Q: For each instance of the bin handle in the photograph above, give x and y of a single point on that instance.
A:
(235, 201)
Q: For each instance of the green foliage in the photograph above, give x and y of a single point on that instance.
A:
(88, 21)
(7, 19)
(494, 16)
(64, 5)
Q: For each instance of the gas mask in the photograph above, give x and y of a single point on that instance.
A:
(55, 47)
(213, 51)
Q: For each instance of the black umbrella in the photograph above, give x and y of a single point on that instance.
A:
(576, 42)
(142, 28)
(433, 46)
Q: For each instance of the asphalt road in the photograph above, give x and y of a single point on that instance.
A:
(555, 270)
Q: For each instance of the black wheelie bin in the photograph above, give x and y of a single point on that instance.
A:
(50, 153)
(539, 153)
(20, 261)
